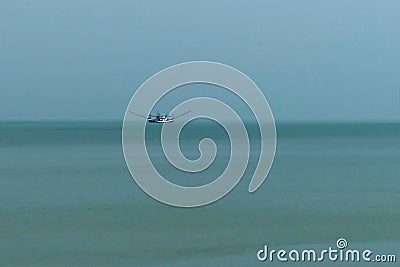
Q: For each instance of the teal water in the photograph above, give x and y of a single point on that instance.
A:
(67, 198)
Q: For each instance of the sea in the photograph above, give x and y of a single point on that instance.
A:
(67, 197)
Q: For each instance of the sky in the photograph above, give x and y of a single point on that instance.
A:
(313, 60)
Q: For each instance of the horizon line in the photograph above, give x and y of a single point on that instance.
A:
(245, 120)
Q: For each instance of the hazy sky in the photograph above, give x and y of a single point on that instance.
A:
(314, 60)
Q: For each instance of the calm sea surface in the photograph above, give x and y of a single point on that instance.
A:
(67, 198)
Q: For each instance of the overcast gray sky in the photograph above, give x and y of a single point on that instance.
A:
(314, 60)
